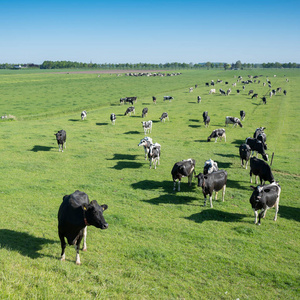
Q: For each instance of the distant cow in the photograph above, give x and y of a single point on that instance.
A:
(284, 91)
(164, 116)
(83, 115)
(254, 96)
(214, 181)
(250, 92)
(264, 100)
(233, 120)
(210, 166)
(206, 118)
(212, 91)
(144, 112)
(74, 215)
(129, 110)
(242, 114)
(154, 154)
(113, 119)
(191, 90)
(154, 99)
(130, 100)
(222, 92)
(261, 136)
(61, 138)
(147, 125)
(245, 153)
(198, 99)
(260, 168)
(265, 197)
(122, 100)
(184, 168)
(217, 133)
(238, 91)
(146, 142)
(257, 146)
(168, 98)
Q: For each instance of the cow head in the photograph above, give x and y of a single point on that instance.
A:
(94, 214)
(201, 182)
(265, 157)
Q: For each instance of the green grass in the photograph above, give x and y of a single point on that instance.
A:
(160, 244)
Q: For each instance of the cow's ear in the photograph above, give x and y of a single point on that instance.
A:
(104, 206)
(252, 187)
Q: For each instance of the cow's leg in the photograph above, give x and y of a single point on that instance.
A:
(250, 175)
(178, 185)
(276, 208)
(223, 192)
(260, 215)
(190, 178)
(84, 238)
(256, 179)
(210, 200)
(150, 163)
(242, 165)
(204, 201)
(216, 139)
(77, 255)
(63, 247)
(246, 164)
(216, 195)
(174, 187)
(255, 215)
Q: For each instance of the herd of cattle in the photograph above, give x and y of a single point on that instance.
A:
(77, 212)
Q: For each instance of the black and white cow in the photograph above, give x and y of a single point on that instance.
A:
(61, 138)
(242, 115)
(214, 181)
(198, 99)
(129, 110)
(206, 118)
(217, 133)
(233, 120)
(254, 96)
(130, 100)
(263, 198)
(154, 99)
(144, 112)
(122, 100)
(184, 168)
(257, 146)
(250, 92)
(83, 115)
(260, 168)
(168, 98)
(260, 135)
(146, 142)
(147, 125)
(245, 153)
(210, 166)
(154, 154)
(113, 118)
(222, 92)
(74, 215)
(164, 116)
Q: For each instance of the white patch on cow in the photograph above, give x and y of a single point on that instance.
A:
(77, 255)
(84, 238)
(63, 257)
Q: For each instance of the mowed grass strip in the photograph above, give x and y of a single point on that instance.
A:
(159, 244)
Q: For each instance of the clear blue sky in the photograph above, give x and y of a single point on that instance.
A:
(156, 31)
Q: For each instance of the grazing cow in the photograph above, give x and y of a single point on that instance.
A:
(228, 92)
(83, 115)
(238, 91)
(233, 120)
(257, 146)
(284, 91)
(242, 115)
(222, 92)
(191, 90)
(210, 166)
(217, 133)
(214, 181)
(113, 119)
(130, 100)
(261, 136)
(129, 110)
(212, 91)
(144, 112)
(164, 116)
(206, 84)
(147, 125)
(61, 137)
(245, 153)
(264, 100)
(279, 89)
(250, 92)
(260, 168)
(122, 100)
(184, 168)
(154, 99)
(263, 198)
(154, 154)
(74, 215)
(168, 98)
(146, 142)
(254, 96)
(198, 99)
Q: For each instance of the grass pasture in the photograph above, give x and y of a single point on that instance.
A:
(160, 244)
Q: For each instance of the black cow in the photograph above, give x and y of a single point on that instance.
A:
(129, 110)
(154, 99)
(264, 100)
(74, 215)
(214, 181)
(144, 112)
(265, 197)
(83, 115)
(130, 100)
(113, 119)
(257, 146)
(164, 116)
(184, 168)
(250, 92)
(254, 96)
(206, 118)
(245, 153)
(238, 91)
(284, 91)
(168, 98)
(61, 137)
(233, 120)
(217, 133)
(242, 114)
(260, 168)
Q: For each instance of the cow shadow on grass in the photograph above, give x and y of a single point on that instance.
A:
(171, 199)
(194, 126)
(22, 242)
(291, 213)
(74, 120)
(201, 141)
(38, 148)
(234, 184)
(194, 120)
(118, 156)
(132, 132)
(215, 215)
(101, 124)
(127, 165)
(227, 155)
(224, 165)
(238, 142)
